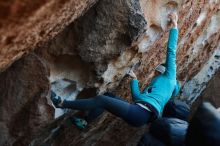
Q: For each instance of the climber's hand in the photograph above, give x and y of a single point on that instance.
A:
(173, 18)
(132, 74)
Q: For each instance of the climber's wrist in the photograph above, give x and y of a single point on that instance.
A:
(134, 78)
(175, 25)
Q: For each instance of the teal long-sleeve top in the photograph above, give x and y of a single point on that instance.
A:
(163, 86)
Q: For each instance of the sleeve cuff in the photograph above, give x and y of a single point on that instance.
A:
(174, 30)
(134, 81)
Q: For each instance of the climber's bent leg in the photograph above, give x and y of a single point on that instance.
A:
(131, 113)
(95, 113)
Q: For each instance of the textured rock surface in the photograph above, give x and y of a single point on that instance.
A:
(211, 93)
(23, 104)
(99, 36)
(27, 25)
(94, 43)
(194, 87)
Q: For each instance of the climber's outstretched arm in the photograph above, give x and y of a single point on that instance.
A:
(171, 48)
(135, 91)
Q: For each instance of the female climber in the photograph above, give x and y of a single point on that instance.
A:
(148, 104)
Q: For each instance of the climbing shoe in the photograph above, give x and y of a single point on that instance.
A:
(53, 94)
(57, 101)
(78, 122)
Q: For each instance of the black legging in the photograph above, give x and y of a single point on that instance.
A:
(133, 114)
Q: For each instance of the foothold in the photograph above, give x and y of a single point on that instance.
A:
(156, 28)
(8, 39)
(42, 33)
(194, 25)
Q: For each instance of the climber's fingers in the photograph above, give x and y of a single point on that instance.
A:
(173, 17)
(132, 74)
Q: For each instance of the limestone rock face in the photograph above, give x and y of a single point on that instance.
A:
(92, 44)
(24, 107)
(99, 36)
(105, 35)
(26, 25)
(211, 93)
